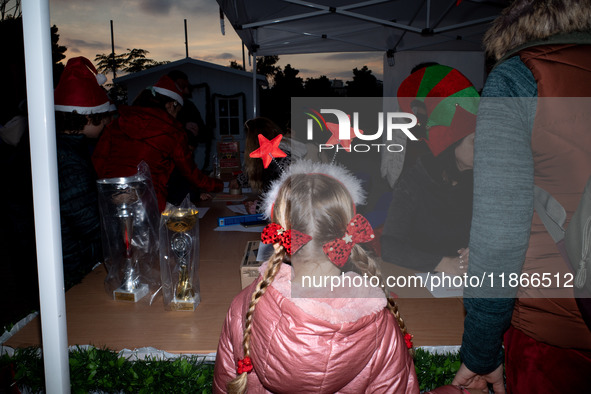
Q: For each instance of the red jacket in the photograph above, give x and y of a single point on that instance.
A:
(151, 135)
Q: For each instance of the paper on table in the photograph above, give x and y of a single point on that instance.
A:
(202, 211)
(238, 227)
(238, 208)
(440, 288)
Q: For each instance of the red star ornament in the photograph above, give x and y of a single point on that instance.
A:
(268, 150)
(334, 138)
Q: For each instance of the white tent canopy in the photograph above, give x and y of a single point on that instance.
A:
(295, 26)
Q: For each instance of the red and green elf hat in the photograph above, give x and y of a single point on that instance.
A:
(451, 101)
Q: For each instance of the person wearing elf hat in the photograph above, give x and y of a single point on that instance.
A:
(148, 131)
(82, 109)
(428, 223)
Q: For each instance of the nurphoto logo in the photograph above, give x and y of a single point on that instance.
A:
(346, 129)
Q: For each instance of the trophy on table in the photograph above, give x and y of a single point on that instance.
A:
(131, 288)
(183, 243)
(130, 235)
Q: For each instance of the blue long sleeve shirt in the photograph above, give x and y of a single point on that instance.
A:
(502, 210)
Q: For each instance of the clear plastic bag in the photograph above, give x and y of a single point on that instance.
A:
(129, 226)
(179, 256)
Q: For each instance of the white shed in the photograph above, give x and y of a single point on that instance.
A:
(223, 95)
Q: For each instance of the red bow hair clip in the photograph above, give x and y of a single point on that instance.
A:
(244, 365)
(291, 240)
(408, 340)
(358, 231)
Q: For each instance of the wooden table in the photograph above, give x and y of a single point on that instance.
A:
(94, 318)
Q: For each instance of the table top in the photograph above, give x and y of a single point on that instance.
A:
(94, 318)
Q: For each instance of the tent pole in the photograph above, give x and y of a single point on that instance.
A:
(254, 85)
(38, 66)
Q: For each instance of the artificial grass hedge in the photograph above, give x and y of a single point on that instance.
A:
(102, 370)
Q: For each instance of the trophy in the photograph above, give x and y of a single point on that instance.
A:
(181, 221)
(131, 288)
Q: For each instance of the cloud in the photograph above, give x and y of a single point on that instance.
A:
(156, 7)
(224, 56)
(96, 45)
(185, 7)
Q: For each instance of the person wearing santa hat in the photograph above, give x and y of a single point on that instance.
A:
(149, 131)
(82, 109)
(428, 223)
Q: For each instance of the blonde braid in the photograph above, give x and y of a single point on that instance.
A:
(239, 384)
(368, 264)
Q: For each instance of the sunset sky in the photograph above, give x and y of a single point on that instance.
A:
(158, 27)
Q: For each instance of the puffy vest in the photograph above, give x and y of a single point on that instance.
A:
(561, 147)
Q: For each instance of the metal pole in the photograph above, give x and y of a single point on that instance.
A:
(38, 66)
(243, 58)
(254, 85)
(186, 40)
(113, 52)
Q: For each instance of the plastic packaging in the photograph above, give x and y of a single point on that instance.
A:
(179, 256)
(129, 226)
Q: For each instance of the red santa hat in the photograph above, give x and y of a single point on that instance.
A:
(79, 89)
(167, 87)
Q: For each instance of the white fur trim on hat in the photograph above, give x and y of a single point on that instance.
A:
(169, 93)
(343, 175)
(99, 109)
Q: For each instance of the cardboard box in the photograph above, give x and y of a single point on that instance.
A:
(249, 267)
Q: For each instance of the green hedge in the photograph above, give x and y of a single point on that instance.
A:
(103, 370)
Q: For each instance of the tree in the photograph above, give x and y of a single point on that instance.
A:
(105, 63)
(364, 84)
(7, 12)
(234, 64)
(132, 61)
(267, 66)
(319, 87)
(57, 55)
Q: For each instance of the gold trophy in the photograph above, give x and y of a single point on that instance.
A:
(181, 221)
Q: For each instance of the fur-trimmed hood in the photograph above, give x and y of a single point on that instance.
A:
(525, 21)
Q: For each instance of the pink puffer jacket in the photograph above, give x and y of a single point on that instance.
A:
(314, 345)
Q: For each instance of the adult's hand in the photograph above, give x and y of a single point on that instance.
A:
(192, 127)
(479, 383)
(452, 266)
(233, 184)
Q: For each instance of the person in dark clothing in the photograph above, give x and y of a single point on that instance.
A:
(199, 138)
(82, 109)
(428, 223)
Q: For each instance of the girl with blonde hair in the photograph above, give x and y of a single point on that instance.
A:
(296, 329)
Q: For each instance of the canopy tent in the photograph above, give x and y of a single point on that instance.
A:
(295, 26)
(393, 27)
